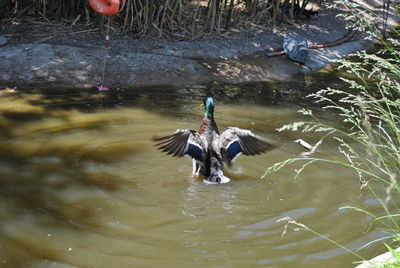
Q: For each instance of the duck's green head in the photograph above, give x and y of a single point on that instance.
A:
(209, 104)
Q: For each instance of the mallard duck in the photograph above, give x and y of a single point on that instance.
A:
(208, 149)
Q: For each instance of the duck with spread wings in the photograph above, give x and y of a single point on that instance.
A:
(208, 149)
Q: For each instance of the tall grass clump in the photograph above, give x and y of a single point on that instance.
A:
(179, 18)
(368, 142)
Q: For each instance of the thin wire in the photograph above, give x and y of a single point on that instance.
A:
(105, 51)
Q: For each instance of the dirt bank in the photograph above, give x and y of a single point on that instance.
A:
(45, 54)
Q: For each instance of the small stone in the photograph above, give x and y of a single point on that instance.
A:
(3, 41)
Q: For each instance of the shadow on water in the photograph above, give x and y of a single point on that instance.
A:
(76, 175)
(45, 167)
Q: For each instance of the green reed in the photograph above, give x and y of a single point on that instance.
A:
(369, 140)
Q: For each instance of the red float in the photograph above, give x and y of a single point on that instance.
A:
(107, 7)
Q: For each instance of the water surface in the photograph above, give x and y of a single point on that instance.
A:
(82, 184)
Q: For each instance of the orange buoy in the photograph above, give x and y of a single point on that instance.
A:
(107, 7)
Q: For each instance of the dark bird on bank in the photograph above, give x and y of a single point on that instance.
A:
(299, 12)
(208, 149)
(307, 13)
(296, 48)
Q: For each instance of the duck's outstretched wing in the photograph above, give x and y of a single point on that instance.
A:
(235, 141)
(183, 142)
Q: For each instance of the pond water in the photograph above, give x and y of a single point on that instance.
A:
(82, 185)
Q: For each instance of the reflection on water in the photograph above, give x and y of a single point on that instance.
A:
(81, 184)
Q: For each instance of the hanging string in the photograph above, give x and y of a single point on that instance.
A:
(101, 86)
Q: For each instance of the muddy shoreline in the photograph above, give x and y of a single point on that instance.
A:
(66, 56)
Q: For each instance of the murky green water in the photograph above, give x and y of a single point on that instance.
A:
(81, 184)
